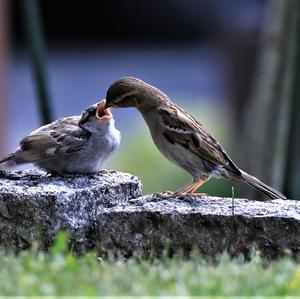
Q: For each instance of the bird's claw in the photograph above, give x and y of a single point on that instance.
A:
(170, 194)
(108, 170)
(164, 194)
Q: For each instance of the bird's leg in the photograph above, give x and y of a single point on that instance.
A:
(185, 189)
(196, 186)
(189, 189)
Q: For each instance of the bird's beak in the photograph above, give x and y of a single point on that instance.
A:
(106, 105)
(103, 112)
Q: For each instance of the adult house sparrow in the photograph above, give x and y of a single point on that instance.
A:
(180, 137)
(71, 145)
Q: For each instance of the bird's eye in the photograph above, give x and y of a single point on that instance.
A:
(86, 115)
(123, 98)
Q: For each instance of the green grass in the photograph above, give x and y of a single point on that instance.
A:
(60, 273)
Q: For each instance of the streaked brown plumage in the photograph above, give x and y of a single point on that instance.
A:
(71, 145)
(180, 137)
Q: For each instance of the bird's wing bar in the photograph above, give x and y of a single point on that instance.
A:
(182, 128)
(48, 144)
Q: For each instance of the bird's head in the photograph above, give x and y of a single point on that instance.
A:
(133, 92)
(95, 117)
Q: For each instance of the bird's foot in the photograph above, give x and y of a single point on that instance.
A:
(189, 194)
(67, 175)
(164, 194)
(58, 174)
(71, 175)
(108, 170)
(198, 195)
(171, 194)
(101, 172)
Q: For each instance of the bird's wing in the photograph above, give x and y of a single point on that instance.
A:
(60, 138)
(182, 128)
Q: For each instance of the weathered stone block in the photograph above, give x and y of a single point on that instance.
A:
(106, 212)
(150, 224)
(35, 206)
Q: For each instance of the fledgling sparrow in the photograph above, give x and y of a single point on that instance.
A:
(71, 145)
(180, 137)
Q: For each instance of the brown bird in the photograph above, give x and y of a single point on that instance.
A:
(180, 137)
(71, 145)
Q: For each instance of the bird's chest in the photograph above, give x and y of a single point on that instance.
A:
(175, 152)
(98, 149)
(172, 151)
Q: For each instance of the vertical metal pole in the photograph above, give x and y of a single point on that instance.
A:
(33, 31)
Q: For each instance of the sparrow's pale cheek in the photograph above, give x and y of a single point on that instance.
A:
(106, 118)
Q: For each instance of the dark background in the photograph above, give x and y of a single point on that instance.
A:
(143, 21)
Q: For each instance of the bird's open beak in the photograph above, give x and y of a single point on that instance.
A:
(103, 113)
(106, 105)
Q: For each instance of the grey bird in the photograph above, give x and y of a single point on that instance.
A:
(180, 137)
(71, 145)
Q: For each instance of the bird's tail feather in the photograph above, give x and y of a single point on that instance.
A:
(8, 161)
(262, 187)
